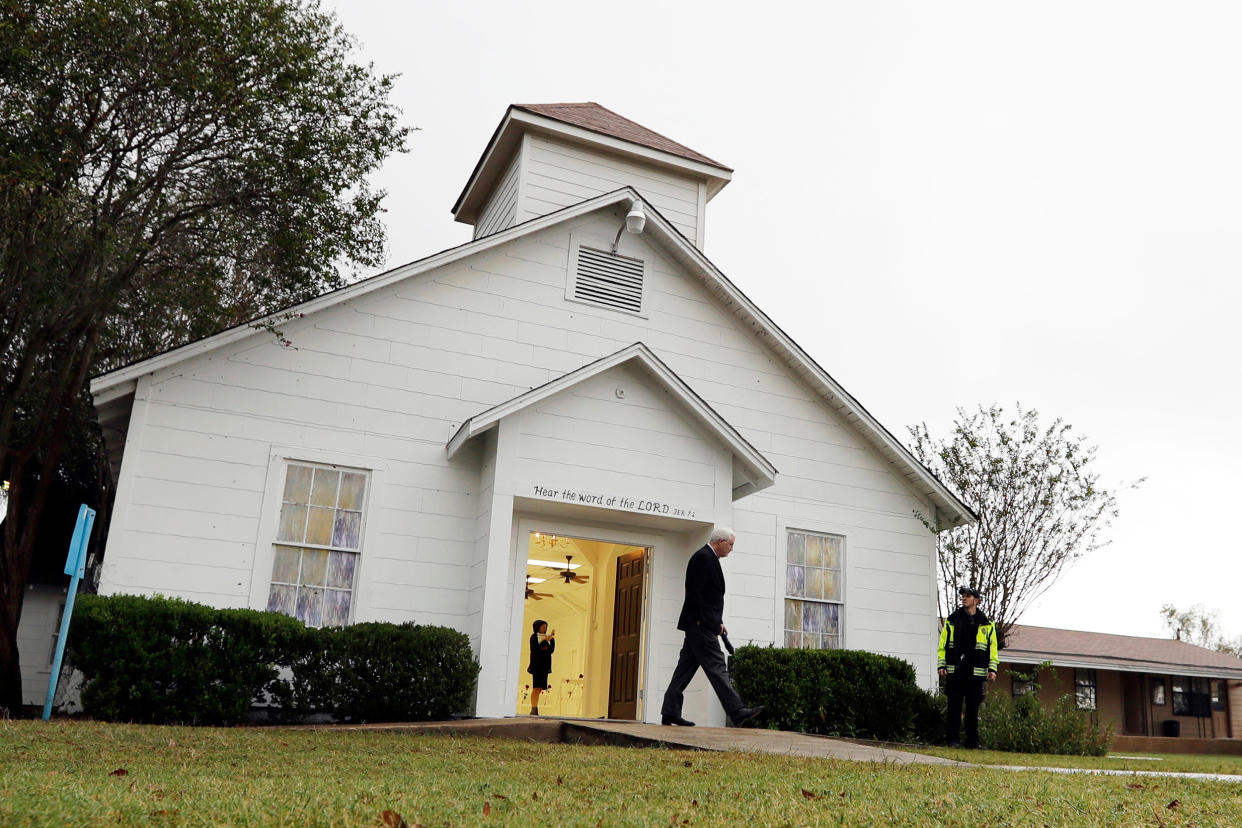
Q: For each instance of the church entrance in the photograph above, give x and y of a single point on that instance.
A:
(592, 594)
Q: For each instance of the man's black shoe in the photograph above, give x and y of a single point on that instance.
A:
(676, 720)
(741, 717)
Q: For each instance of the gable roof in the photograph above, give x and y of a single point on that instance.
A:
(757, 471)
(582, 123)
(948, 507)
(1125, 653)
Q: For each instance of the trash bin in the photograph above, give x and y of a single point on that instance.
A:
(1171, 727)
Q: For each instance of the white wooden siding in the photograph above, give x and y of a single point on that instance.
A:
(501, 208)
(388, 375)
(556, 175)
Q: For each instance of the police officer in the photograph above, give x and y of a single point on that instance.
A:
(966, 658)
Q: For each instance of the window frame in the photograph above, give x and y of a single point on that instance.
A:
(784, 596)
(279, 458)
(1158, 697)
(305, 548)
(1021, 683)
(1218, 693)
(1086, 681)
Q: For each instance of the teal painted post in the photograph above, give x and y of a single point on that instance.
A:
(75, 566)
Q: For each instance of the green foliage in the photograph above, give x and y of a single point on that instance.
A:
(1040, 502)
(168, 168)
(164, 660)
(837, 693)
(1023, 725)
(386, 672)
(167, 660)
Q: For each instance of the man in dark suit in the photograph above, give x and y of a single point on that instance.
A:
(703, 623)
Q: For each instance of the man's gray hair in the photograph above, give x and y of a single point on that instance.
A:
(721, 533)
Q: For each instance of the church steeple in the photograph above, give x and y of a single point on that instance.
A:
(543, 157)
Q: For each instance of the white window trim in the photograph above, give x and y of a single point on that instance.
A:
(785, 525)
(278, 462)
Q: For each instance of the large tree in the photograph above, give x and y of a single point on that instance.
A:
(1039, 500)
(167, 168)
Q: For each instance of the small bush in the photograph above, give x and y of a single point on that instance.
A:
(387, 672)
(168, 661)
(165, 660)
(836, 693)
(1023, 725)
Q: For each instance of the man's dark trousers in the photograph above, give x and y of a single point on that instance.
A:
(968, 689)
(701, 649)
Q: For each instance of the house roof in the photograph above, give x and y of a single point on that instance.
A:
(112, 390)
(756, 471)
(1125, 653)
(600, 119)
(583, 123)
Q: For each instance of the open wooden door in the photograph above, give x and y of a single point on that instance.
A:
(626, 635)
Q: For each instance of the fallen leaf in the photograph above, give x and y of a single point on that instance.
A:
(687, 764)
(119, 772)
(173, 812)
(560, 780)
(809, 794)
(1134, 786)
(487, 808)
(392, 819)
(535, 795)
(694, 803)
(499, 796)
(1173, 804)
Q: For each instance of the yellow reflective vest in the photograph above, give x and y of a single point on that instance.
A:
(985, 642)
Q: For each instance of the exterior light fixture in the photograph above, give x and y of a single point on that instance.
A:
(635, 221)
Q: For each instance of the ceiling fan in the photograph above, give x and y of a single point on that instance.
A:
(538, 596)
(568, 573)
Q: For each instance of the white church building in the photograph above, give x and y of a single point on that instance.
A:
(540, 424)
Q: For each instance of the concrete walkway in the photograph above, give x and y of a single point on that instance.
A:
(611, 732)
(747, 740)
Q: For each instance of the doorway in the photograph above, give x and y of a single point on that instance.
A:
(592, 594)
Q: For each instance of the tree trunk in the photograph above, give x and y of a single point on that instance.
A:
(10, 664)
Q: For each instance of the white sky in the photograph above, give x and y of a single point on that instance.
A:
(945, 204)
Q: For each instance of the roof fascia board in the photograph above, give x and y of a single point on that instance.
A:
(1086, 663)
(350, 292)
(759, 466)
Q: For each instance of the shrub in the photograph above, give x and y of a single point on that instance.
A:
(387, 672)
(164, 660)
(836, 692)
(1023, 725)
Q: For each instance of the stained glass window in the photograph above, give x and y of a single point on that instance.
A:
(814, 597)
(318, 539)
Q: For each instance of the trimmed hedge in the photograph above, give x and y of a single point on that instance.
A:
(168, 661)
(387, 672)
(837, 693)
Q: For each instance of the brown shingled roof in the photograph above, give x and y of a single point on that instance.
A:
(596, 118)
(1118, 652)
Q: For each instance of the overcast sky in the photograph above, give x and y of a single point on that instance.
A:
(944, 204)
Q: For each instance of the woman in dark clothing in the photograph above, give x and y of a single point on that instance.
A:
(541, 648)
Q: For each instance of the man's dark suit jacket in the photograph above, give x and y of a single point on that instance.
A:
(705, 591)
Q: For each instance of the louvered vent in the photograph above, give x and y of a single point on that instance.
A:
(610, 280)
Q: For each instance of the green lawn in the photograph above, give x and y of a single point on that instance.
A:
(70, 773)
(1164, 762)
